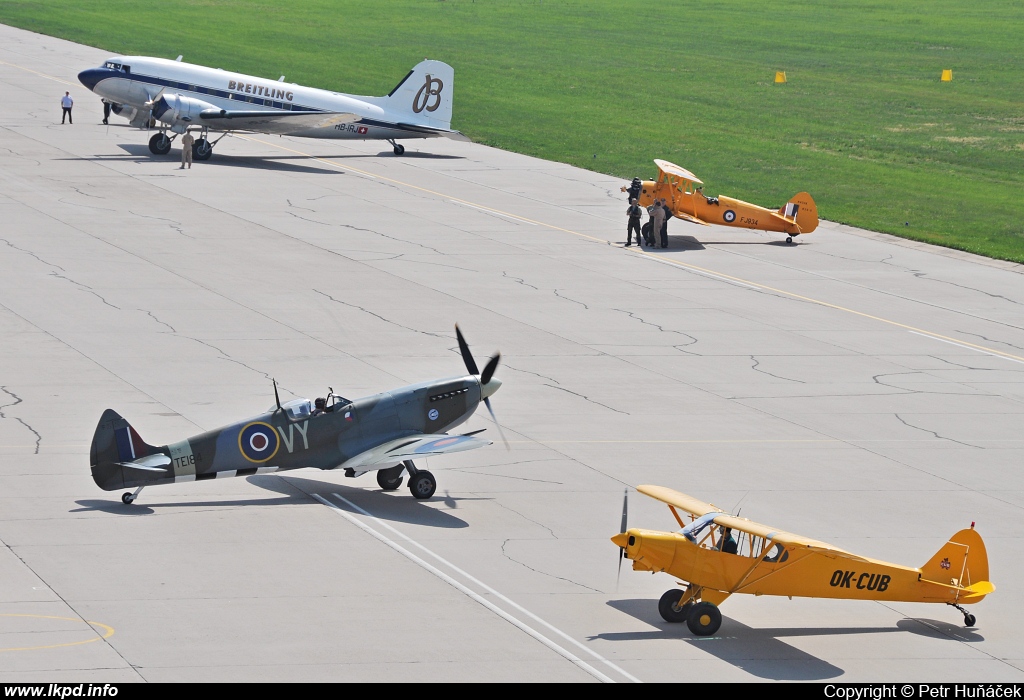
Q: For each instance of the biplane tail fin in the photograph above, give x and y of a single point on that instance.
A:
(115, 444)
(963, 561)
(803, 210)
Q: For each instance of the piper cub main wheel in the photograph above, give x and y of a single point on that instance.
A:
(422, 485)
(704, 619)
(669, 606)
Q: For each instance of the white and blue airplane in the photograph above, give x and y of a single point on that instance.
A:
(176, 97)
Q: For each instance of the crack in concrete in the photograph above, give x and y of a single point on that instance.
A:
(86, 288)
(940, 437)
(992, 340)
(75, 204)
(508, 556)
(302, 218)
(393, 238)
(518, 280)
(660, 328)
(17, 400)
(176, 225)
(764, 371)
(29, 252)
(587, 398)
(526, 371)
(572, 300)
(376, 315)
(86, 194)
(162, 323)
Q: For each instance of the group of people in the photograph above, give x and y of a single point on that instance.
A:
(658, 215)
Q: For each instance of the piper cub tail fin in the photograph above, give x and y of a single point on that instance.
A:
(803, 209)
(963, 562)
(114, 445)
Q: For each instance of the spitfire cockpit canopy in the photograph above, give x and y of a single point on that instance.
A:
(297, 409)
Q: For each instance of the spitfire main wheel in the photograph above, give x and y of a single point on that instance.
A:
(704, 619)
(669, 606)
(127, 498)
(399, 149)
(390, 479)
(202, 150)
(422, 485)
(160, 144)
(969, 620)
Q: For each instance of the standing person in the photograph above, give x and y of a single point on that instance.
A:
(664, 224)
(635, 213)
(186, 150)
(106, 111)
(633, 190)
(66, 103)
(657, 221)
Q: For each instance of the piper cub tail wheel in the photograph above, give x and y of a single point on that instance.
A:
(422, 485)
(704, 619)
(669, 607)
(390, 479)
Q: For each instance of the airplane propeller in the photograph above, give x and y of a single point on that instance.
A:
(488, 384)
(622, 528)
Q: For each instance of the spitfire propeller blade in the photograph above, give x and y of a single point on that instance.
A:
(488, 384)
(492, 364)
(487, 402)
(467, 356)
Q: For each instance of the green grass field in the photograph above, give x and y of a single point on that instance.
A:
(864, 124)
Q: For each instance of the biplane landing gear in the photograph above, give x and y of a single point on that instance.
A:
(789, 239)
(421, 482)
(669, 606)
(969, 619)
(129, 498)
(390, 479)
(704, 618)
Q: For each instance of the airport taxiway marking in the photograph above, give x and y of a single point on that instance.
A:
(976, 348)
(651, 256)
(561, 651)
(108, 631)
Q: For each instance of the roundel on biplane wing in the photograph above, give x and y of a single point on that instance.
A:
(258, 442)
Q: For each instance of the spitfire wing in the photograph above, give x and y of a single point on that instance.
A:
(273, 122)
(673, 170)
(397, 451)
(690, 504)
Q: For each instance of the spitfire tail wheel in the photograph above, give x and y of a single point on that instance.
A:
(669, 606)
(202, 150)
(390, 479)
(160, 144)
(969, 620)
(399, 149)
(422, 485)
(127, 498)
(704, 619)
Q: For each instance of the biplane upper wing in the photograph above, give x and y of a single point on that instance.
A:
(672, 497)
(673, 170)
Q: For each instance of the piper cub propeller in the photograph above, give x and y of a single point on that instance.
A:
(383, 433)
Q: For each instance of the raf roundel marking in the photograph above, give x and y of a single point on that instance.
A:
(433, 414)
(729, 215)
(258, 442)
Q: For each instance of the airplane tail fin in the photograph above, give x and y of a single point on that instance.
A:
(114, 443)
(424, 96)
(802, 208)
(963, 561)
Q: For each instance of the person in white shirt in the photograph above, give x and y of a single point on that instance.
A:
(66, 103)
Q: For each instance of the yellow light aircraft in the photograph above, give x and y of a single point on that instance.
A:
(717, 554)
(684, 194)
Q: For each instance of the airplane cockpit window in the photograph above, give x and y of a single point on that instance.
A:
(693, 530)
(776, 554)
(298, 409)
(112, 65)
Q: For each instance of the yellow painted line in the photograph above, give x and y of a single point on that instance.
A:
(688, 266)
(108, 632)
(42, 75)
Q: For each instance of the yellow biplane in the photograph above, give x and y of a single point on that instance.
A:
(684, 194)
(716, 554)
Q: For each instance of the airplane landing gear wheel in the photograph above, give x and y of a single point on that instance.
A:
(704, 619)
(789, 239)
(422, 485)
(399, 149)
(202, 149)
(969, 620)
(390, 479)
(127, 498)
(669, 608)
(160, 144)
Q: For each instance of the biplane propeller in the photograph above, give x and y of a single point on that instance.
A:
(684, 194)
(383, 433)
(712, 565)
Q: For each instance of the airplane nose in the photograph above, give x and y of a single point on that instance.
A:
(486, 390)
(620, 540)
(91, 76)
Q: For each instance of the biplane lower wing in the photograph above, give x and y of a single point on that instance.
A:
(691, 218)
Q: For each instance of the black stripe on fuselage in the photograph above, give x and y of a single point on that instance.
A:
(246, 472)
(207, 475)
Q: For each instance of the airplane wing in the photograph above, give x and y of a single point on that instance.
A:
(689, 217)
(674, 170)
(396, 451)
(680, 500)
(273, 122)
(786, 539)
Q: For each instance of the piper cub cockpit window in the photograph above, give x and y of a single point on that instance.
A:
(704, 533)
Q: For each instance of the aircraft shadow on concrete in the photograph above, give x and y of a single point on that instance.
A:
(397, 506)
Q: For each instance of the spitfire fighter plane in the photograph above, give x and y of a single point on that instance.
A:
(685, 196)
(383, 433)
(717, 555)
(179, 97)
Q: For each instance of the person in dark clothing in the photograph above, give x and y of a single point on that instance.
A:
(728, 543)
(635, 213)
(633, 191)
(106, 111)
(664, 224)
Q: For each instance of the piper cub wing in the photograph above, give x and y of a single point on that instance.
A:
(716, 554)
(684, 193)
